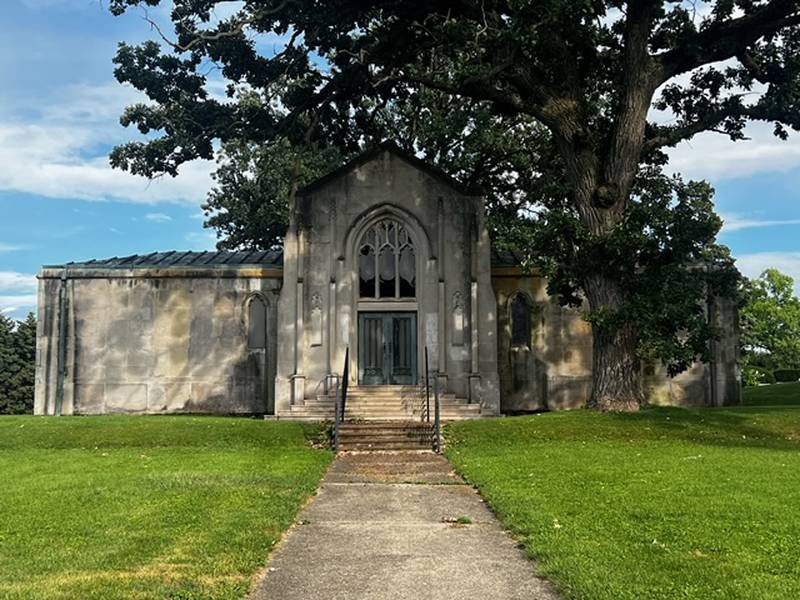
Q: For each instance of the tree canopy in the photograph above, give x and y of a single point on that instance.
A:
(593, 76)
(17, 364)
(770, 326)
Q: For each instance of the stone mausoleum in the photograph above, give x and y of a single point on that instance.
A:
(386, 257)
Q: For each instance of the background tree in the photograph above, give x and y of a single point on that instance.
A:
(511, 159)
(590, 73)
(248, 206)
(22, 382)
(8, 362)
(770, 326)
(17, 364)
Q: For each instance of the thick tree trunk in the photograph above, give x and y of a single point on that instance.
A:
(616, 374)
(602, 172)
(616, 377)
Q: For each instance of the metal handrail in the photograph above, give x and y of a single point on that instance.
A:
(426, 417)
(437, 421)
(345, 378)
(339, 407)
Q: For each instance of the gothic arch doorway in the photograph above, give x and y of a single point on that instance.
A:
(387, 316)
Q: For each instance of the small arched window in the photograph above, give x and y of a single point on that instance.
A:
(257, 323)
(387, 265)
(520, 321)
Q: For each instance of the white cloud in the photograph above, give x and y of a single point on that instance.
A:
(18, 282)
(737, 222)
(11, 247)
(752, 265)
(72, 4)
(713, 156)
(63, 153)
(84, 103)
(11, 304)
(157, 217)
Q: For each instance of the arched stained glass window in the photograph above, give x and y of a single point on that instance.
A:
(520, 321)
(387, 264)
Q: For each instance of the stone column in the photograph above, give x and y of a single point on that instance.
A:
(441, 358)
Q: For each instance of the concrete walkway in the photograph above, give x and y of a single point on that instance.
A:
(383, 526)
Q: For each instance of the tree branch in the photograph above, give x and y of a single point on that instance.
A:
(671, 136)
(728, 38)
(621, 160)
(753, 68)
(237, 30)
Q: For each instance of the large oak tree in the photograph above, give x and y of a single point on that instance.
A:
(588, 72)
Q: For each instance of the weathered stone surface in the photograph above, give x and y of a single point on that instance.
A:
(91, 398)
(126, 397)
(143, 341)
(554, 372)
(180, 333)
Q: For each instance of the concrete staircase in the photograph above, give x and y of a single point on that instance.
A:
(385, 435)
(402, 403)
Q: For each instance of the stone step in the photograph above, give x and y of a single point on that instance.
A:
(386, 439)
(388, 407)
(398, 410)
(384, 433)
(329, 417)
(369, 418)
(390, 390)
(350, 400)
(396, 399)
(395, 447)
(386, 388)
(394, 425)
(393, 396)
(323, 400)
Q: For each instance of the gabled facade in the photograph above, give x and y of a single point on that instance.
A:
(386, 260)
(389, 258)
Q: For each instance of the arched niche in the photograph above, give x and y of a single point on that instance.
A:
(520, 320)
(256, 321)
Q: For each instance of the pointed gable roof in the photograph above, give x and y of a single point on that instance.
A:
(375, 152)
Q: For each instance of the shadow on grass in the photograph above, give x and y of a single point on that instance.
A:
(773, 428)
(777, 394)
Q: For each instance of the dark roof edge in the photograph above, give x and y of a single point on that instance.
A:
(100, 266)
(226, 259)
(387, 146)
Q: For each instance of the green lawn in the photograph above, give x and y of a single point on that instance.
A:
(667, 503)
(778, 394)
(146, 507)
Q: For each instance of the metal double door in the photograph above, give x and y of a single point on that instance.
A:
(387, 348)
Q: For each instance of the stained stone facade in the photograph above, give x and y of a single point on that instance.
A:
(386, 257)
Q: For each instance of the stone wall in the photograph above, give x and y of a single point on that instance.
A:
(715, 383)
(155, 341)
(553, 371)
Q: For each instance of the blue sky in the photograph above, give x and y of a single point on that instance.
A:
(60, 200)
